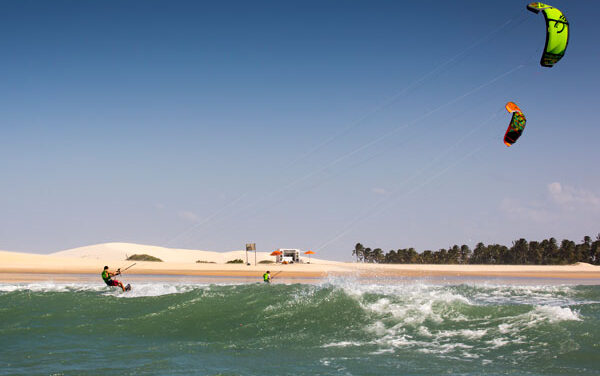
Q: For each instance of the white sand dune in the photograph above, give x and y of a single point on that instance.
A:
(120, 251)
(91, 259)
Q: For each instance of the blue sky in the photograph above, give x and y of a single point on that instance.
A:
(312, 125)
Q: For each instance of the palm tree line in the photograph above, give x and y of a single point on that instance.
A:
(522, 252)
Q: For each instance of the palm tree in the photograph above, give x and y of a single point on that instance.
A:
(441, 256)
(359, 252)
(390, 257)
(412, 256)
(479, 254)
(534, 255)
(378, 256)
(519, 251)
(584, 250)
(497, 254)
(454, 255)
(550, 249)
(368, 255)
(427, 257)
(595, 251)
(465, 254)
(567, 253)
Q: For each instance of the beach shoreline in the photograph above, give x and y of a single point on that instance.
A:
(91, 260)
(41, 273)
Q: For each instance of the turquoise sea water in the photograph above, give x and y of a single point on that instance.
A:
(336, 326)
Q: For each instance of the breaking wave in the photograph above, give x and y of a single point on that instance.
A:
(338, 321)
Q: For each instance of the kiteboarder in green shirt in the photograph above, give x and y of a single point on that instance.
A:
(106, 276)
(267, 277)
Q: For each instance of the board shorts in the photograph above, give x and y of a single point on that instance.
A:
(113, 282)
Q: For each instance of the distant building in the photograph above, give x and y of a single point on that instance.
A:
(288, 255)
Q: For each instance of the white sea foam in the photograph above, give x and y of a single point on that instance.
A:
(421, 316)
(539, 315)
(139, 290)
(445, 348)
(524, 294)
(424, 331)
(555, 314)
(155, 289)
(498, 342)
(507, 328)
(382, 351)
(408, 304)
(465, 333)
(343, 344)
(378, 328)
(51, 287)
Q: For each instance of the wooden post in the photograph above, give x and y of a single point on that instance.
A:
(250, 247)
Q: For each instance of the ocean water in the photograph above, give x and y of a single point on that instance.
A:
(335, 326)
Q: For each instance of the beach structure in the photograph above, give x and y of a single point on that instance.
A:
(287, 255)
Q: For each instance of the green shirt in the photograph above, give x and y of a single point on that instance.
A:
(105, 276)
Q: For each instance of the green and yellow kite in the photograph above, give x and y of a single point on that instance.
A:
(557, 33)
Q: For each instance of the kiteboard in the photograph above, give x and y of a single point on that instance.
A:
(128, 287)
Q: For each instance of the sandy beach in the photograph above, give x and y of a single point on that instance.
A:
(91, 259)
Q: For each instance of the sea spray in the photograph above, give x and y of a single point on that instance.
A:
(336, 326)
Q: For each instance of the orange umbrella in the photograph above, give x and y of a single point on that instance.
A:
(276, 253)
(309, 253)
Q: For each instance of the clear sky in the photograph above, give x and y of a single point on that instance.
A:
(305, 124)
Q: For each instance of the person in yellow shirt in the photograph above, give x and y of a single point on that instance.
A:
(267, 277)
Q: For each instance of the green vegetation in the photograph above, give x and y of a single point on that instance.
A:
(522, 252)
(266, 262)
(205, 262)
(143, 257)
(236, 261)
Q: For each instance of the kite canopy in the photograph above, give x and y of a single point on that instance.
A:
(516, 126)
(557, 33)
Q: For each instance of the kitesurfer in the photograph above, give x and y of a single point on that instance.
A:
(267, 277)
(106, 276)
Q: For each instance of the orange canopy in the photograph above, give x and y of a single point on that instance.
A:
(512, 107)
(309, 253)
(275, 253)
